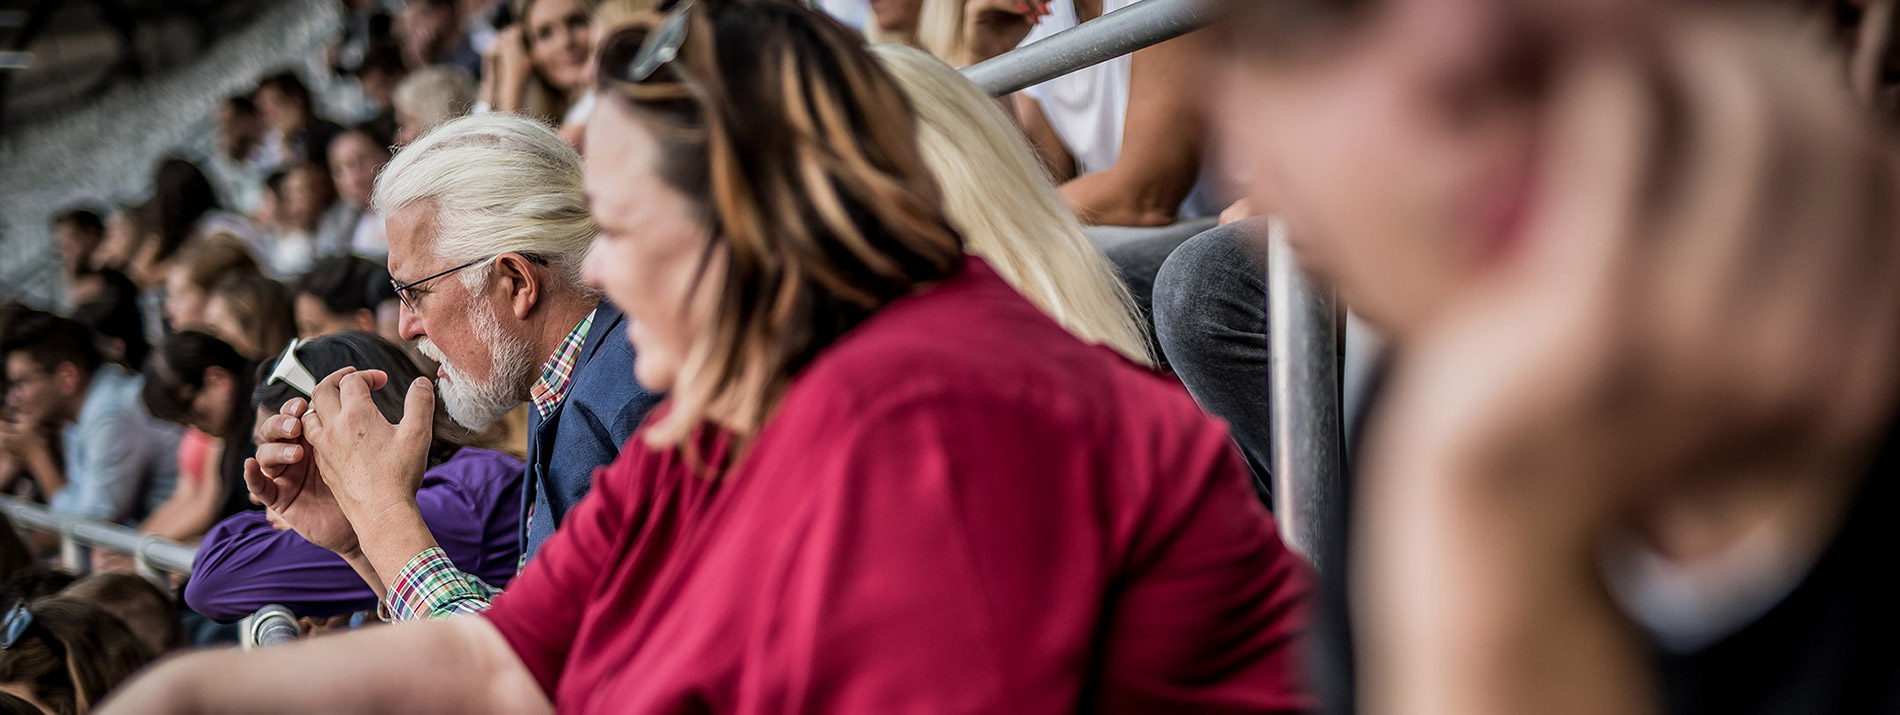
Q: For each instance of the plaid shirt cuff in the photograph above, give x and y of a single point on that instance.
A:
(430, 586)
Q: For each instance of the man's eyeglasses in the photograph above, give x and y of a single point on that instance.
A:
(659, 48)
(408, 301)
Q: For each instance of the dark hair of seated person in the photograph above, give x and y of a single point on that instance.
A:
(175, 377)
(365, 351)
(114, 313)
(70, 655)
(35, 582)
(151, 613)
(346, 285)
(50, 341)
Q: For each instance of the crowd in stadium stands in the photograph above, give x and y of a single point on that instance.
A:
(700, 355)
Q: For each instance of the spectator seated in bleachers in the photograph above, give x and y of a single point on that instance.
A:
(77, 234)
(198, 269)
(431, 32)
(883, 482)
(148, 612)
(470, 498)
(488, 225)
(61, 655)
(429, 97)
(541, 65)
(109, 305)
(294, 133)
(252, 314)
(355, 157)
(202, 383)
(110, 460)
(239, 165)
(340, 293)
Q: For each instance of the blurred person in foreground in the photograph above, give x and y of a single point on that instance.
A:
(469, 497)
(111, 459)
(1638, 263)
(429, 97)
(793, 531)
(488, 226)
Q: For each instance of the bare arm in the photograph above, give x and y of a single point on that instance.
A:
(459, 665)
(1162, 142)
(1043, 138)
(193, 505)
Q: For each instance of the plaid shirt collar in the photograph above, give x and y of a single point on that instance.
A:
(557, 374)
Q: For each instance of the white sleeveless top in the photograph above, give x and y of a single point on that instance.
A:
(1089, 107)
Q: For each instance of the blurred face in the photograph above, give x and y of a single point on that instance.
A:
(1399, 160)
(120, 241)
(485, 361)
(649, 246)
(425, 32)
(35, 395)
(354, 160)
(898, 17)
(184, 302)
(221, 322)
(237, 133)
(76, 245)
(304, 198)
(314, 319)
(280, 111)
(560, 41)
(211, 404)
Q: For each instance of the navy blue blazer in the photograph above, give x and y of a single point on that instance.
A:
(603, 407)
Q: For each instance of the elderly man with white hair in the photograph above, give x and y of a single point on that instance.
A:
(488, 226)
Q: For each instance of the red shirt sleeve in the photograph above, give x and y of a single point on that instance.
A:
(539, 613)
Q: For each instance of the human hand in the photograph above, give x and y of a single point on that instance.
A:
(19, 440)
(512, 67)
(285, 479)
(993, 27)
(372, 467)
(1710, 292)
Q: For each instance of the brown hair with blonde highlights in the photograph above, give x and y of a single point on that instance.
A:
(802, 153)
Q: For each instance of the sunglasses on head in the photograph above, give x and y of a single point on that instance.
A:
(659, 48)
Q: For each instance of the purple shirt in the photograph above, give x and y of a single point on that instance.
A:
(472, 503)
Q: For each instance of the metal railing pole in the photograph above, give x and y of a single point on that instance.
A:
(1118, 33)
(1303, 392)
(78, 536)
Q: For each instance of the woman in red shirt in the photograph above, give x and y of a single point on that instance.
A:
(883, 480)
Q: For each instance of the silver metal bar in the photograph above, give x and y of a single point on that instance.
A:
(1150, 22)
(1303, 397)
(79, 535)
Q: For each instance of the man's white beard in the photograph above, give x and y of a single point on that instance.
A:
(477, 405)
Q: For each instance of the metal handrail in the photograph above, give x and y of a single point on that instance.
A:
(1146, 23)
(79, 534)
(1304, 408)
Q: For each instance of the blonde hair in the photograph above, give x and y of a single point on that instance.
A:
(498, 183)
(804, 157)
(436, 94)
(940, 30)
(1008, 209)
